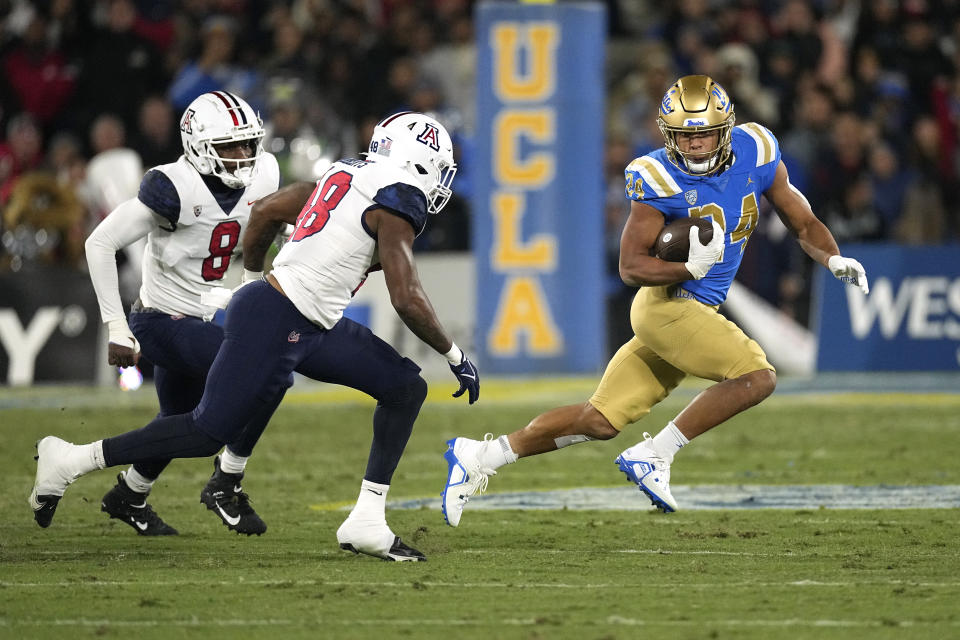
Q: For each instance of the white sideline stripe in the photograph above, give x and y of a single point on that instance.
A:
(459, 622)
(712, 497)
(470, 585)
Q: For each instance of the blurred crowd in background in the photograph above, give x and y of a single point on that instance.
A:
(863, 96)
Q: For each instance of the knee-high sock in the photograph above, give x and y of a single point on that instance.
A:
(392, 424)
(163, 439)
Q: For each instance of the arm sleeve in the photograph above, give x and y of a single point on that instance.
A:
(127, 223)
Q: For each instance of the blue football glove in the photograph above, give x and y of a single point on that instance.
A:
(468, 377)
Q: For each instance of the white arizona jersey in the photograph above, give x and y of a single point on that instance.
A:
(331, 250)
(206, 224)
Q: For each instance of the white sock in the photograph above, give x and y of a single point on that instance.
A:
(231, 462)
(372, 501)
(137, 481)
(669, 441)
(84, 458)
(496, 453)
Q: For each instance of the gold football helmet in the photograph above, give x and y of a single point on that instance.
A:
(696, 104)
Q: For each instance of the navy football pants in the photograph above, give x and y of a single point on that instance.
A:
(265, 339)
(182, 350)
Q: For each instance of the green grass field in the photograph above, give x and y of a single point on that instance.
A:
(819, 573)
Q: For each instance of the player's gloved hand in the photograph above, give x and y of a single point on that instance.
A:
(468, 377)
(123, 350)
(850, 271)
(703, 256)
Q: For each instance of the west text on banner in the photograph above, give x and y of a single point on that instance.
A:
(538, 201)
(910, 320)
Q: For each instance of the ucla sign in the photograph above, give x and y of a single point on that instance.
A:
(910, 320)
(538, 197)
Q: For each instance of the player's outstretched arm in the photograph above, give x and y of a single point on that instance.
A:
(267, 217)
(814, 237)
(126, 224)
(395, 238)
(637, 267)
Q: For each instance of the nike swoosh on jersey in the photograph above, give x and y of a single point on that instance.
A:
(250, 203)
(230, 520)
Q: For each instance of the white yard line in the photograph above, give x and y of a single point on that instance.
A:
(710, 497)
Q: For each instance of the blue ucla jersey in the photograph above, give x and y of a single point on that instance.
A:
(731, 198)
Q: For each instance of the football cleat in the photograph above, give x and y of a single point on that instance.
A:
(651, 473)
(225, 497)
(51, 480)
(374, 538)
(465, 477)
(130, 507)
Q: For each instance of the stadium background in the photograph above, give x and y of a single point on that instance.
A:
(864, 98)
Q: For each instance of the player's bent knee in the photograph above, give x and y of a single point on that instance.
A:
(411, 391)
(763, 382)
(596, 425)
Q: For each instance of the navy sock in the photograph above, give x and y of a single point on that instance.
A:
(392, 424)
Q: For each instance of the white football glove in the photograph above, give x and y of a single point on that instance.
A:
(850, 271)
(119, 333)
(218, 297)
(703, 256)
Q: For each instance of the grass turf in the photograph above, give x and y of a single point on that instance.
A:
(502, 574)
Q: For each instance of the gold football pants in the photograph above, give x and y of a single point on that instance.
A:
(674, 336)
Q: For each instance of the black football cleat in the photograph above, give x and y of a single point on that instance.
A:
(130, 507)
(225, 497)
(44, 507)
(398, 552)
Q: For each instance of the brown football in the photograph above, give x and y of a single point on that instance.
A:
(673, 243)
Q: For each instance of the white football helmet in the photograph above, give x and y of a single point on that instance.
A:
(219, 118)
(421, 146)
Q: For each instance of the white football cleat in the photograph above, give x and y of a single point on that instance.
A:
(374, 538)
(465, 477)
(51, 480)
(650, 472)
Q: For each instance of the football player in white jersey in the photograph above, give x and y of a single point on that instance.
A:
(361, 216)
(193, 213)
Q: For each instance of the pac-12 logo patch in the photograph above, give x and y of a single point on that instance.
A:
(294, 336)
(430, 137)
(197, 210)
(187, 125)
(690, 196)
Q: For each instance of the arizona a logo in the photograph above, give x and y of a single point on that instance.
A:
(187, 125)
(430, 137)
(690, 196)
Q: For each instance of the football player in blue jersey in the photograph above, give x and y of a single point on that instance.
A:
(193, 214)
(708, 168)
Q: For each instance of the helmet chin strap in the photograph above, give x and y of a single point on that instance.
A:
(702, 167)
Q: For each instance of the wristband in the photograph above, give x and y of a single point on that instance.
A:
(455, 355)
(250, 276)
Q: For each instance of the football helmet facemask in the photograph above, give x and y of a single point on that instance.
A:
(696, 104)
(212, 122)
(421, 146)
